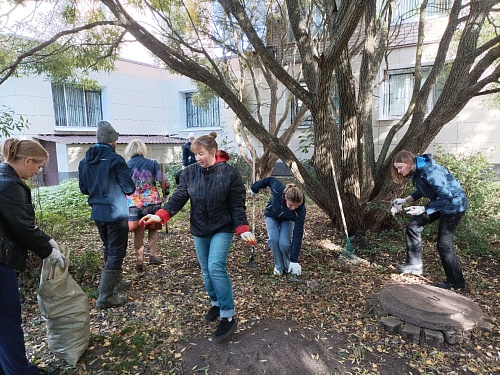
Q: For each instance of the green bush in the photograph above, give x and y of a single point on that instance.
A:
(60, 207)
(62, 212)
(480, 225)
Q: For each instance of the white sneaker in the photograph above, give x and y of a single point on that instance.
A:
(277, 272)
(415, 269)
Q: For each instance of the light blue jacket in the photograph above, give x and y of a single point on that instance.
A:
(435, 182)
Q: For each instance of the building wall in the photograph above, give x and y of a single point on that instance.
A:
(140, 99)
(474, 129)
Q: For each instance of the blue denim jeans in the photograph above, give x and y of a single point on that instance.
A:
(280, 241)
(12, 350)
(448, 224)
(212, 255)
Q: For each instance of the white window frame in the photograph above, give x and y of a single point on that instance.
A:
(75, 107)
(209, 117)
(405, 76)
(307, 121)
(408, 10)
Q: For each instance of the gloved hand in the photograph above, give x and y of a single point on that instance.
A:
(149, 219)
(398, 202)
(252, 194)
(295, 269)
(54, 244)
(395, 209)
(249, 238)
(415, 210)
(56, 257)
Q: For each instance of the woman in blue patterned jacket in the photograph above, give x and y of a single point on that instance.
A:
(447, 203)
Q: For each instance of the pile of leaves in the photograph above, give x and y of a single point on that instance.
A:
(154, 333)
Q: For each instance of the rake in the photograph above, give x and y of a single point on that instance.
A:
(348, 250)
(251, 261)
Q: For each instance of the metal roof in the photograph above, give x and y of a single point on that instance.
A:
(122, 139)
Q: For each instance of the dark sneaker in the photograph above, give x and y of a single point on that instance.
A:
(225, 329)
(414, 269)
(451, 286)
(155, 261)
(213, 314)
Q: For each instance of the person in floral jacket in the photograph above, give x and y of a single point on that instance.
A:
(147, 176)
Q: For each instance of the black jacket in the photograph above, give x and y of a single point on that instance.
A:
(217, 196)
(18, 231)
(188, 156)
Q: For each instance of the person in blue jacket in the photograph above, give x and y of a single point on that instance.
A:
(284, 216)
(105, 177)
(447, 203)
(188, 156)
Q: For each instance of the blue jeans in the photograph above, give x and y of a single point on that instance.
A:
(448, 224)
(114, 236)
(280, 241)
(212, 255)
(12, 350)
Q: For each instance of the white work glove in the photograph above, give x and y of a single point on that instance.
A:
(252, 194)
(149, 219)
(56, 257)
(249, 238)
(415, 210)
(398, 202)
(295, 269)
(54, 244)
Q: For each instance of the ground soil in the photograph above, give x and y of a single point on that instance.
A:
(312, 324)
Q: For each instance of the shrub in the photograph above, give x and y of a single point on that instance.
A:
(479, 226)
(62, 212)
(60, 207)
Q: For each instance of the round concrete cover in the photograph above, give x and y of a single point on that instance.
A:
(430, 307)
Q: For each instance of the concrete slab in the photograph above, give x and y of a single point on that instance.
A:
(431, 307)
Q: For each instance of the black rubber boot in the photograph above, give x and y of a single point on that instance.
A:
(110, 280)
(122, 285)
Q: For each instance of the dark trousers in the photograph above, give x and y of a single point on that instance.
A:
(448, 224)
(12, 350)
(114, 236)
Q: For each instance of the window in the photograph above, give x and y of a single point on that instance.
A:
(76, 107)
(206, 116)
(296, 107)
(407, 9)
(307, 119)
(399, 87)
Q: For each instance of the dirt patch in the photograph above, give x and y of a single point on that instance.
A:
(275, 347)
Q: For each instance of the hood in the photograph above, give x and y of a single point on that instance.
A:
(422, 160)
(221, 156)
(98, 152)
